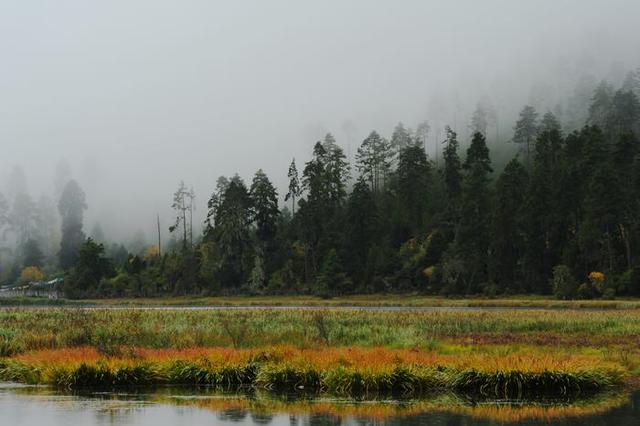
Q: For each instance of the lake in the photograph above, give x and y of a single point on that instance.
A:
(43, 406)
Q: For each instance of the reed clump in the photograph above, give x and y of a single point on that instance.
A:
(348, 371)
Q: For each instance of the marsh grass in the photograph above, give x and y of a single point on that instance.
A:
(505, 353)
(406, 300)
(33, 329)
(346, 371)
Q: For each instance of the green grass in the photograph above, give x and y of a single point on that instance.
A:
(24, 330)
(382, 300)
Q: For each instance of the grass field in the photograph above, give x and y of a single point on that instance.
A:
(504, 353)
(381, 300)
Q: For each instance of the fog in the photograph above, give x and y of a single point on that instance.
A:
(137, 95)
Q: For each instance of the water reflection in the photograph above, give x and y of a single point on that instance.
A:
(22, 405)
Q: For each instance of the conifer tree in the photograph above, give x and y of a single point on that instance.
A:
(525, 130)
(294, 186)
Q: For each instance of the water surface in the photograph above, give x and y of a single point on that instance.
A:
(42, 406)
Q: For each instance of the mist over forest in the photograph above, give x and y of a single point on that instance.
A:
(127, 100)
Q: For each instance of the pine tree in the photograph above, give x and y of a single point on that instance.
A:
(422, 133)
(480, 120)
(337, 170)
(214, 204)
(549, 122)
(507, 235)
(452, 168)
(23, 218)
(525, 130)
(471, 244)
(401, 138)
(632, 82)
(625, 153)
(600, 108)
(294, 186)
(544, 213)
(332, 280)
(314, 211)
(232, 232)
(414, 172)
(264, 207)
(362, 220)
(71, 207)
(374, 159)
(265, 215)
(624, 117)
(4, 213)
(32, 255)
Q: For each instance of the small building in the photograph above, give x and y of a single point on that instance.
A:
(51, 289)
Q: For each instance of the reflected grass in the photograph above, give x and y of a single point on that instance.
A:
(246, 401)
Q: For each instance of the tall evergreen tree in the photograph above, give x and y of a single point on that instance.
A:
(544, 214)
(507, 235)
(264, 207)
(625, 154)
(32, 255)
(525, 130)
(624, 117)
(294, 186)
(401, 138)
(361, 230)
(232, 233)
(337, 170)
(549, 122)
(374, 159)
(422, 133)
(214, 203)
(23, 218)
(452, 168)
(480, 119)
(315, 209)
(471, 245)
(71, 207)
(4, 214)
(414, 172)
(600, 108)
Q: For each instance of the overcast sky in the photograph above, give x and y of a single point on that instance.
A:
(139, 94)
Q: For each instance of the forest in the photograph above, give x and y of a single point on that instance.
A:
(559, 217)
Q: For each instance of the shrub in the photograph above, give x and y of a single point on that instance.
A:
(31, 274)
(564, 284)
(585, 291)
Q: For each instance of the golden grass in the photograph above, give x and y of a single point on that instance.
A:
(370, 358)
(341, 370)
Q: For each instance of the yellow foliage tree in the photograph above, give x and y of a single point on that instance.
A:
(596, 277)
(30, 274)
(152, 251)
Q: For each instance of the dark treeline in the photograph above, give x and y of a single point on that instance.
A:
(561, 217)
